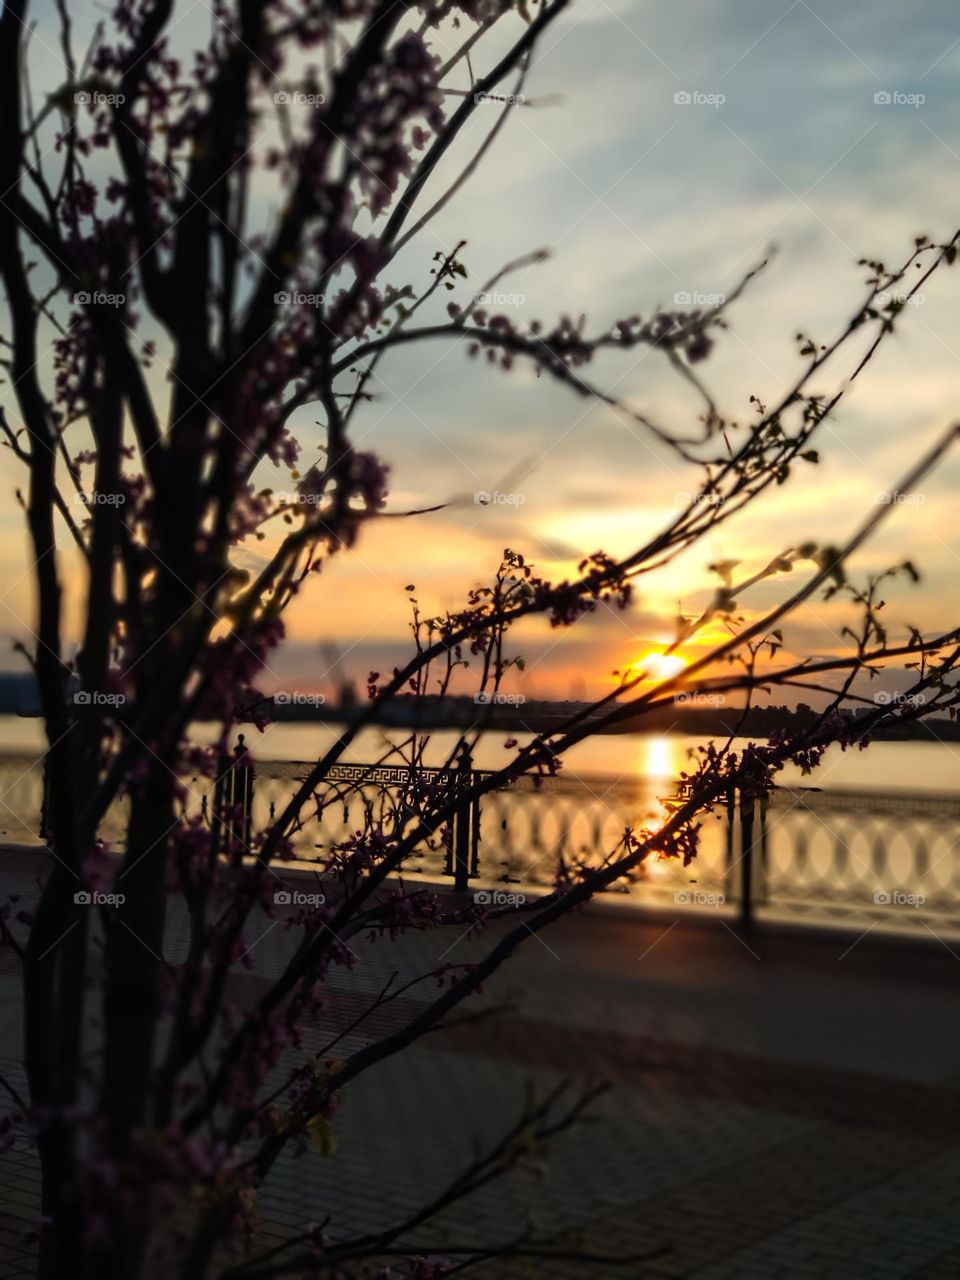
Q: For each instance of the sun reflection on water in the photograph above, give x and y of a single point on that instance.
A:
(658, 759)
(659, 765)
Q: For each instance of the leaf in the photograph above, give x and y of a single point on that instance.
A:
(830, 560)
(321, 1135)
(912, 570)
(725, 569)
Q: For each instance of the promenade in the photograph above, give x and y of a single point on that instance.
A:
(780, 1106)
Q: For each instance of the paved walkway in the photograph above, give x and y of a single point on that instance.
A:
(785, 1107)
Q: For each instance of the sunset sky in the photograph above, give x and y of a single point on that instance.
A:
(638, 199)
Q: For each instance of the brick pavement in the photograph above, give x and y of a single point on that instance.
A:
(791, 1111)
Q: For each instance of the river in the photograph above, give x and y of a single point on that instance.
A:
(886, 823)
(884, 766)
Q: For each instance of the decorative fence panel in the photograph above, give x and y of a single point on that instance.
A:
(862, 860)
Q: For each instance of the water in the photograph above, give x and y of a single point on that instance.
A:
(828, 862)
(901, 766)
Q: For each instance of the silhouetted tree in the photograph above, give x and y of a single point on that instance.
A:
(133, 235)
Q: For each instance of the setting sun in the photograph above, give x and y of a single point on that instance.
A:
(661, 666)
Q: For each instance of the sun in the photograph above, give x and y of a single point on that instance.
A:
(660, 666)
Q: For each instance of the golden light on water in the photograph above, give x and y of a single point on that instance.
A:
(658, 762)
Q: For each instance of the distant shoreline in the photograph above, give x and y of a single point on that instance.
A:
(433, 715)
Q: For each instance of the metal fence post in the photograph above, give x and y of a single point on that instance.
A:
(731, 841)
(747, 809)
(220, 801)
(462, 823)
(232, 820)
(243, 776)
(475, 837)
(45, 803)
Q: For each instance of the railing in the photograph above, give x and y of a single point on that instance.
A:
(863, 860)
(387, 795)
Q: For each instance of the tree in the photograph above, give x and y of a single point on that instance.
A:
(148, 249)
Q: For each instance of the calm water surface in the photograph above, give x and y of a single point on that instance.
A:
(902, 766)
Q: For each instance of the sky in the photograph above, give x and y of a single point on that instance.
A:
(641, 198)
